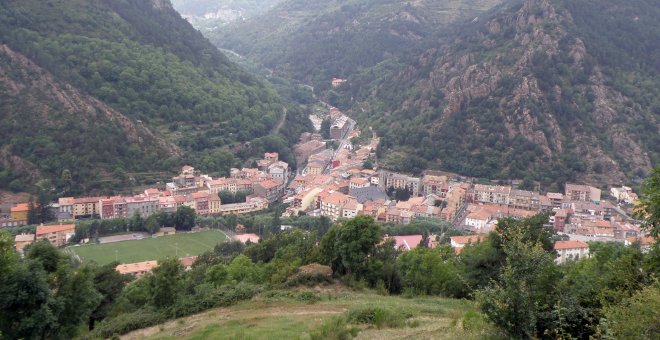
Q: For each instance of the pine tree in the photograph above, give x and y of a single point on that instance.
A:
(33, 213)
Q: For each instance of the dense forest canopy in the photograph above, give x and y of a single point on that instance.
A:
(174, 95)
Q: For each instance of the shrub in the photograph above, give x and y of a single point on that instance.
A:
(308, 297)
(334, 329)
(378, 317)
(307, 279)
(125, 323)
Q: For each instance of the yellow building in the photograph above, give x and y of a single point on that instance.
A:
(87, 206)
(18, 214)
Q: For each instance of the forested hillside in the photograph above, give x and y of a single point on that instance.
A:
(50, 127)
(313, 41)
(138, 60)
(549, 90)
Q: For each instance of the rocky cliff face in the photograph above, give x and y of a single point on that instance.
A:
(527, 69)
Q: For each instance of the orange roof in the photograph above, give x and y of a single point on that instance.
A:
(20, 207)
(648, 240)
(268, 184)
(198, 195)
(335, 198)
(47, 229)
(137, 267)
(467, 239)
(188, 261)
(570, 244)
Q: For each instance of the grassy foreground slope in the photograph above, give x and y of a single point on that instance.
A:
(300, 315)
(178, 245)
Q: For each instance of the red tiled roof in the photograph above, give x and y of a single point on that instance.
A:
(570, 244)
(47, 229)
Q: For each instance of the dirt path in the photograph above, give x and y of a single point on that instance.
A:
(281, 122)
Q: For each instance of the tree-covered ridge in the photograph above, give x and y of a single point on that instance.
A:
(313, 41)
(142, 60)
(525, 91)
(50, 128)
(147, 64)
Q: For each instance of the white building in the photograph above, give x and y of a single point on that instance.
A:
(571, 250)
(479, 222)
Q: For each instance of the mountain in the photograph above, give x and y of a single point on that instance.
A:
(313, 41)
(105, 89)
(49, 126)
(550, 90)
(210, 14)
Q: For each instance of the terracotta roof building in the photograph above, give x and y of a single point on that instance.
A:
(57, 235)
(571, 250)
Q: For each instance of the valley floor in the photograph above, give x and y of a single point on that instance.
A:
(292, 315)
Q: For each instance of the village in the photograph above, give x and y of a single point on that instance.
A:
(344, 182)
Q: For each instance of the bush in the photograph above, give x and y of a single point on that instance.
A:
(378, 317)
(125, 323)
(334, 329)
(280, 295)
(308, 276)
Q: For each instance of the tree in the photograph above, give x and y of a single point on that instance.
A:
(77, 298)
(26, 306)
(136, 222)
(184, 218)
(33, 212)
(347, 247)
(518, 301)
(217, 275)
(43, 205)
(7, 255)
(152, 226)
(166, 281)
(636, 317)
(325, 128)
(109, 283)
(648, 207)
(430, 271)
(66, 181)
(242, 268)
(44, 253)
(368, 163)
(402, 194)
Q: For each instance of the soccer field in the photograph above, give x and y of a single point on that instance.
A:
(178, 245)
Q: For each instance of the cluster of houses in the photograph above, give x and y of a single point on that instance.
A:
(262, 186)
(57, 235)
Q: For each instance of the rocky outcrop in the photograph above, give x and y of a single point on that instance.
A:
(531, 62)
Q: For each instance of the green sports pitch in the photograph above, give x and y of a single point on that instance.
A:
(178, 245)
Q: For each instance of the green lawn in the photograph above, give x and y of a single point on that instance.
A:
(178, 245)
